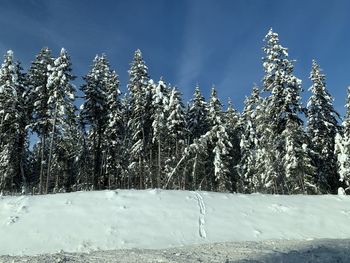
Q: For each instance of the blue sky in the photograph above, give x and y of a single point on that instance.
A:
(195, 41)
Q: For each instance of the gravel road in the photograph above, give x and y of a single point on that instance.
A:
(324, 250)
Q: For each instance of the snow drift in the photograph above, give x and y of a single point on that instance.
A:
(122, 219)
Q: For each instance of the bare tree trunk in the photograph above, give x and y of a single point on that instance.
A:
(24, 181)
(1, 131)
(42, 162)
(194, 177)
(57, 183)
(99, 158)
(106, 169)
(140, 172)
(102, 169)
(50, 151)
(159, 164)
(149, 179)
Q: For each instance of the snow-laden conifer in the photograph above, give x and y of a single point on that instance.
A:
(342, 147)
(39, 96)
(13, 121)
(61, 112)
(281, 105)
(160, 104)
(248, 175)
(113, 162)
(197, 116)
(322, 127)
(140, 123)
(94, 113)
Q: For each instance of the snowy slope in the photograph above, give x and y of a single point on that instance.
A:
(85, 221)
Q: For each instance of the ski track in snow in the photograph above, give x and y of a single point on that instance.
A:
(201, 219)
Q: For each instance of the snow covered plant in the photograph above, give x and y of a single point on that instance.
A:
(149, 138)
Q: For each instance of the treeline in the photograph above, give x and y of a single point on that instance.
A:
(149, 138)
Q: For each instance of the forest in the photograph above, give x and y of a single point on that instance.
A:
(149, 138)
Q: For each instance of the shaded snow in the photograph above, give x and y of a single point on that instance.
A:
(156, 219)
(320, 251)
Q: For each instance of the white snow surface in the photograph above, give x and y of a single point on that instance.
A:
(159, 219)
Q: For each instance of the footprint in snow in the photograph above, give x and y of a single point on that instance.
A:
(12, 220)
(113, 231)
(257, 232)
(279, 208)
(155, 191)
(22, 209)
(111, 194)
(346, 212)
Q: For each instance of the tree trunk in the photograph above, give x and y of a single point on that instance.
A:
(140, 172)
(194, 177)
(50, 151)
(41, 180)
(99, 159)
(159, 164)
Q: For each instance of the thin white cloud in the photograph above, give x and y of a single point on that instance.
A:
(190, 62)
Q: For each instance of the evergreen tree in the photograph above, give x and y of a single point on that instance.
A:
(83, 159)
(13, 117)
(160, 103)
(140, 122)
(94, 113)
(299, 170)
(114, 165)
(197, 116)
(219, 145)
(322, 126)
(342, 147)
(176, 131)
(193, 164)
(249, 178)
(61, 111)
(282, 105)
(38, 97)
(233, 129)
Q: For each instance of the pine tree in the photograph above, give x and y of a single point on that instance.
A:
(299, 169)
(61, 111)
(197, 116)
(114, 164)
(13, 135)
(83, 159)
(94, 113)
(342, 147)
(219, 145)
(127, 141)
(282, 105)
(322, 126)
(249, 178)
(233, 129)
(140, 122)
(38, 96)
(160, 103)
(193, 164)
(176, 131)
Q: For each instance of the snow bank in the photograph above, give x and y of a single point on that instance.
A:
(122, 219)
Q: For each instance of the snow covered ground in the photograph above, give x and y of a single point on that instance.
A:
(156, 219)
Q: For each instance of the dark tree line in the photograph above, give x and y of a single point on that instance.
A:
(149, 138)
